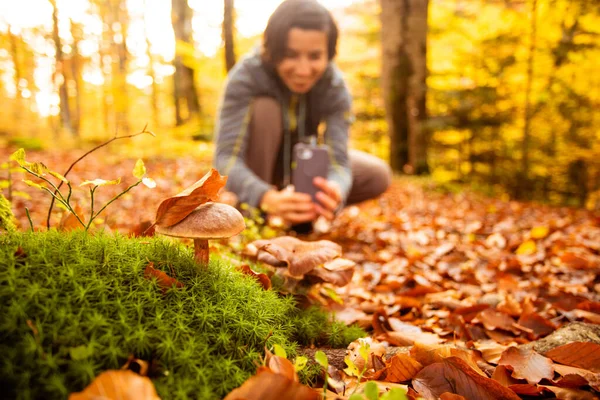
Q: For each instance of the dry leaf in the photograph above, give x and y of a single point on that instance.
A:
(124, 384)
(527, 364)
(268, 385)
(571, 394)
(538, 325)
(163, 280)
(174, 209)
(69, 222)
(455, 376)
(401, 368)
(263, 279)
(577, 354)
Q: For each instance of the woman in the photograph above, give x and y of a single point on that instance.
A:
(278, 96)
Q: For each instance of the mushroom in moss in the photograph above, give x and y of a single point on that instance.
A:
(208, 221)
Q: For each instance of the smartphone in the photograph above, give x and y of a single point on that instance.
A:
(309, 160)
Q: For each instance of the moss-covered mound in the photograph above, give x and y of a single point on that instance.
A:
(73, 305)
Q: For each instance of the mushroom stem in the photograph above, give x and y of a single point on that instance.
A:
(201, 253)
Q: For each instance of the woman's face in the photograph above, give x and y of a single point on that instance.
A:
(305, 59)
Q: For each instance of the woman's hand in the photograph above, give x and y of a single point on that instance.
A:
(292, 207)
(329, 197)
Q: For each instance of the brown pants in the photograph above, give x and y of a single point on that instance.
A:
(370, 175)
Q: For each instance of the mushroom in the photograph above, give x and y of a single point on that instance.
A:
(318, 261)
(208, 221)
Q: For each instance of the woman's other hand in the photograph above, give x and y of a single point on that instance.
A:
(329, 197)
(292, 207)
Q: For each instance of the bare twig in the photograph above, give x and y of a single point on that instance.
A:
(85, 155)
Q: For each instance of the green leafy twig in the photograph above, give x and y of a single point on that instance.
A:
(85, 155)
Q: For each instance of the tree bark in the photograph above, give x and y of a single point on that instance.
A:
(152, 72)
(404, 74)
(228, 24)
(14, 52)
(526, 136)
(184, 90)
(59, 76)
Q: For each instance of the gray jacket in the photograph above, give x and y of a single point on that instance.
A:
(329, 101)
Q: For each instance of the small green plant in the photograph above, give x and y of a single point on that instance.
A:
(370, 389)
(40, 171)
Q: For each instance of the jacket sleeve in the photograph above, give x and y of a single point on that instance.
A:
(337, 121)
(232, 137)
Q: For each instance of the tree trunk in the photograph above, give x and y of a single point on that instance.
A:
(152, 72)
(526, 136)
(228, 24)
(14, 52)
(76, 67)
(404, 73)
(184, 89)
(59, 76)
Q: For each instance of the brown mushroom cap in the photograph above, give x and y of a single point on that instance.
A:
(208, 221)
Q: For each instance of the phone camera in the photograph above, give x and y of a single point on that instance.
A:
(305, 154)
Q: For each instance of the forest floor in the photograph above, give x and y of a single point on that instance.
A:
(483, 276)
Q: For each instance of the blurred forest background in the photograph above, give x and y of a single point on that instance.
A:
(500, 94)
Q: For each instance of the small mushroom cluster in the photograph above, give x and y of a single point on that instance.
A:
(318, 261)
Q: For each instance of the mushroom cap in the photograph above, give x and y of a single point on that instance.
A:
(208, 221)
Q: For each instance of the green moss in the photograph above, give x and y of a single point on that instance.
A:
(313, 326)
(89, 307)
(7, 219)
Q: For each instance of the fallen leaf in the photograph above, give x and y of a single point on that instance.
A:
(577, 354)
(491, 351)
(124, 384)
(401, 368)
(163, 280)
(492, 320)
(268, 385)
(527, 389)
(528, 247)
(592, 378)
(174, 209)
(503, 376)
(527, 364)
(451, 396)
(455, 376)
(69, 222)
(570, 394)
(574, 261)
(539, 325)
(263, 279)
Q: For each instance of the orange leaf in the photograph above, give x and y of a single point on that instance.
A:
(68, 221)
(578, 354)
(538, 324)
(493, 319)
(124, 384)
(268, 385)
(263, 279)
(527, 364)
(451, 396)
(164, 280)
(455, 376)
(174, 209)
(282, 366)
(402, 367)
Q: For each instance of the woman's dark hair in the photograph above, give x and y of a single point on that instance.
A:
(303, 14)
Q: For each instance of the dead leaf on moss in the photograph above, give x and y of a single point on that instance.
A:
(123, 384)
(263, 279)
(174, 209)
(163, 280)
(527, 364)
(455, 376)
(577, 354)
